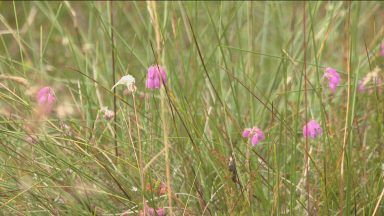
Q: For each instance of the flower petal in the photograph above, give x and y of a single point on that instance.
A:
(255, 140)
(246, 132)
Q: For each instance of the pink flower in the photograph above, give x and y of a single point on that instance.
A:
(333, 78)
(46, 98)
(108, 114)
(246, 132)
(152, 212)
(312, 129)
(156, 77)
(255, 134)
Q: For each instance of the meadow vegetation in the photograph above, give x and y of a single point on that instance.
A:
(230, 108)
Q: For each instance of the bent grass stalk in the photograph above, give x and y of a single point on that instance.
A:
(346, 125)
(151, 6)
(141, 162)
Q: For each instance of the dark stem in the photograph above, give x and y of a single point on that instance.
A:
(113, 78)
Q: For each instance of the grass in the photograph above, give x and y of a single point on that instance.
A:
(230, 66)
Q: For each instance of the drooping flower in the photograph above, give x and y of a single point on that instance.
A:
(371, 77)
(312, 129)
(156, 77)
(255, 134)
(45, 99)
(333, 78)
(127, 80)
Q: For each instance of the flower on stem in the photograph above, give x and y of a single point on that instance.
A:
(128, 81)
(45, 99)
(156, 76)
(312, 129)
(255, 134)
(333, 78)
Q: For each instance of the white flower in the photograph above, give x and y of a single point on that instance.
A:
(134, 189)
(127, 80)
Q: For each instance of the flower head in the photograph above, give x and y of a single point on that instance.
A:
(312, 129)
(255, 134)
(156, 77)
(108, 114)
(333, 78)
(46, 98)
(127, 80)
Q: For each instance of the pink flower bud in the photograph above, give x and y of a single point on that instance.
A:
(255, 134)
(156, 77)
(45, 99)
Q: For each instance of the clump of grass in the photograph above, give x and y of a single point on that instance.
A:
(179, 149)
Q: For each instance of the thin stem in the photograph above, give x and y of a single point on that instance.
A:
(113, 79)
(167, 147)
(142, 174)
(151, 5)
(341, 187)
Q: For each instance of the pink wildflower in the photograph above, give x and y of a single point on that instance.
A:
(108, 114)
(156, 77)
(46, 98)
(255, 134)
(246, 132)
(333, 78)
(312, 129)
(152, 212)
